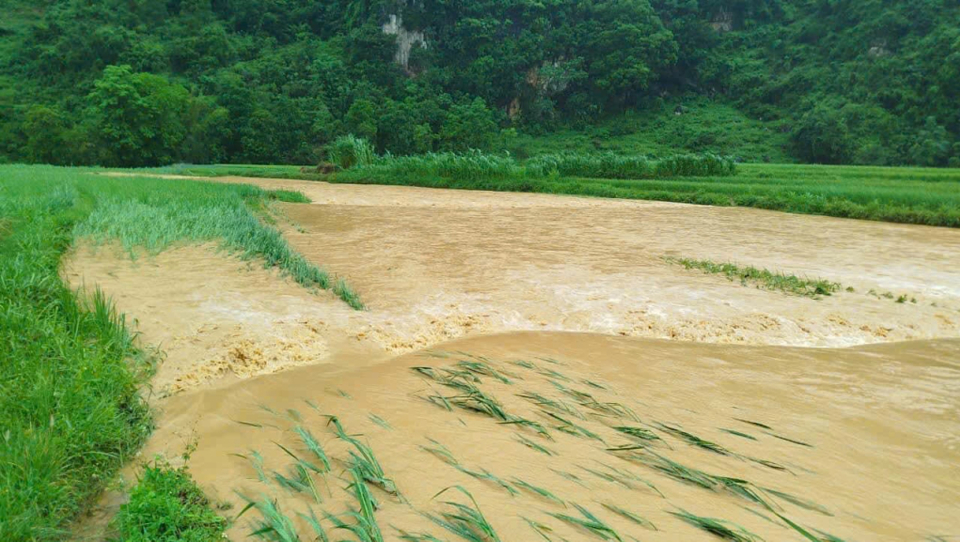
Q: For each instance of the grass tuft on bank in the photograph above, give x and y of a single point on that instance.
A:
(167, 506)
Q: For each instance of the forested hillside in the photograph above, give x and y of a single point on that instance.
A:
(148, 82)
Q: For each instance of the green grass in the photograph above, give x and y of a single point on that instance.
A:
(71, 412)
(763, 278)
(718, 527)
(154, 214)
(464, 520)
(167, 506)
(590, 523)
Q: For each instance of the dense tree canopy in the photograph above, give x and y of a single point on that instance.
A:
(145, 82)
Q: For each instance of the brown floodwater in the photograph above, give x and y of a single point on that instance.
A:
(862, 431)
(879, 427)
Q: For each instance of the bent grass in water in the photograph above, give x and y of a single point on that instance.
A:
(761, 278)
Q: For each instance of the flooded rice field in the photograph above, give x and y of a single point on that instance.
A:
(540, 353)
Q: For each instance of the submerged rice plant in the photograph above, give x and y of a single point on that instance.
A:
(364, 526)
(770, 280)
(465, 521)
(718, 527)
(363, 460)
(643, 522)
(591, 523)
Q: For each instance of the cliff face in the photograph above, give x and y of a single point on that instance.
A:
(406, 39)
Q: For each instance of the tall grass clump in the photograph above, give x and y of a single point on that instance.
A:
(695, 165)
(350, 151)
(70, 411)
(602, 166)
(473, 166)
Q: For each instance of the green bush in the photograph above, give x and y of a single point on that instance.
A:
(350, 151)
(167, 506)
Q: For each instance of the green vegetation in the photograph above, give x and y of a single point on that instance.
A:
(904, 195)
(591, 523)
(167, 506)
(723, 529)
(70, 409)
(122, 83)
(769, 280)
(349, 151)
(465, 521)
(614, 166)
(141, 214)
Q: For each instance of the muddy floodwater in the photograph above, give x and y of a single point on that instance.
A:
(627, 386)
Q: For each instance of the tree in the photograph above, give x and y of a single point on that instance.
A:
(141, 119)
(361, 119)
(45, 129)
(468, 126)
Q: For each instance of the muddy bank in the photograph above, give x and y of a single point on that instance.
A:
(863, 442)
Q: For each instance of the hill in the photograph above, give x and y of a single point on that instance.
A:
(140, 82)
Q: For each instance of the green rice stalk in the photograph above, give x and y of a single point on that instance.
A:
(643, 522)
(533, 445)
(723, 529)
(591, 523)
(546, 494)
(465, 521)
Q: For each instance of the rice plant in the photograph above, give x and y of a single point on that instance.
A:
(274, 525)
(483, 368)
(799, 501)
(364, 526)
(637, 432)
(313, 521)
(718, 527)
(380, 421)
(694, 440)
(591, 523)
(537, 490)
(313, 445)
(738, 434)
(570, 476)
(770, 280)
(570, 428)
(443, 453)
(639, 520)
(534, 446)
(541, 529)
(363, 460)
(556, 405)
(465, 521)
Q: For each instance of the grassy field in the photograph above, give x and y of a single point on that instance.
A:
(71, 373)
(905, 195)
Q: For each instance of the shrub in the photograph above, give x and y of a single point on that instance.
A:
(349, 151)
